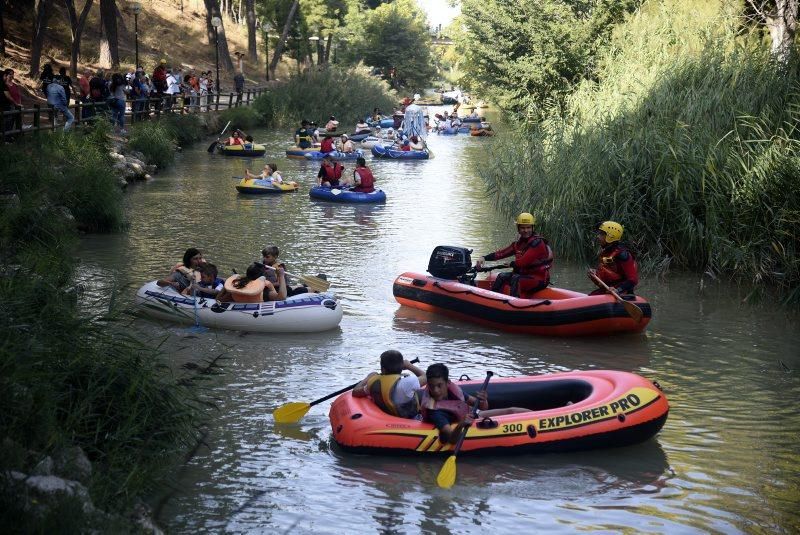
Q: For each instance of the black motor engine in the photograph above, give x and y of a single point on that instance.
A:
(449, 262)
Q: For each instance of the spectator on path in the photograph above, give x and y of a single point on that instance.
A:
(238, 83)
(46, 78)
(84, 94)
(6, 102)
(173, 87)
(118, 98)
(66, 82)
(57, 97)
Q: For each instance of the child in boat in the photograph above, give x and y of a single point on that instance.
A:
(248, 143)
(210, 285)
(394, 393)
(444, 404)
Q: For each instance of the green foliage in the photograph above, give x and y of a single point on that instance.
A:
(70, 169)
(348, 94)
(155, 140)
(185, 129)
(525, 55)
(690, 140)
(394, 38)
(242, 117)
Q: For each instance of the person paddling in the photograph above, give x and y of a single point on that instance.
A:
(394, 393)
(617, 265)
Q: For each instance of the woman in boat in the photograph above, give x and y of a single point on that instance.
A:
(617, 264)
(183, 274)
(533, 259)
(270, 173)
(329, 173)
(253, 287)
(363, 178)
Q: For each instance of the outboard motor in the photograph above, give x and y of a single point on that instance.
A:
(449, 262)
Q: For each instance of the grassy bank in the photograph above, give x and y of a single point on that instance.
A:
(690, 140)
(66, 380)
(315, 95)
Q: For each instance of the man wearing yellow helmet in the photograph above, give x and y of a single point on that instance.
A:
(617, 266)
(533, 259)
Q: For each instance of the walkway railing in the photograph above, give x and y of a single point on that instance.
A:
(20, 121)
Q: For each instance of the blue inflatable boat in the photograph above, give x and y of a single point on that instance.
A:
(345, 195)
(336, 155)
(447, 131)
(379, 151)
(383, 123)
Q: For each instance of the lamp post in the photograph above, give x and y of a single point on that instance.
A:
(136, 7)
(216, 22)
(266, 26)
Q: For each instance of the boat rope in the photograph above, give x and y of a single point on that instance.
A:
(504, 301)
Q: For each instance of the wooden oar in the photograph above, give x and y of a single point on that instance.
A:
(292, 412)
(633, 311)
(315, 283)
(214, 144)
(447, 475)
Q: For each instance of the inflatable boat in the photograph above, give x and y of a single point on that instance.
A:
(372, 141)
(569, 411)
(452, 131)
(261, 186)
(310, 312)
(360, 136)
(453, 291)
(345, 195)
(383, 123)
(248, 150)
(336, 155)
(380, 151)
(299, 152)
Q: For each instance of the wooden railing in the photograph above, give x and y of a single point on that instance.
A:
(20, 121)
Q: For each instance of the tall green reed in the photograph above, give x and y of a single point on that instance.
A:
(688, 140)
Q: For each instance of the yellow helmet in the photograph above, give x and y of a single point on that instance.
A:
(526, 219)
(612, 229)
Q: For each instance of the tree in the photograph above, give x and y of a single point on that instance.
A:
(2, 29)
(395, 39)
(109, 37)
(250, 16)
(525, 55)
(780, 17)
(76, 24)
(212, 10)
(42, 10)
(276, 56)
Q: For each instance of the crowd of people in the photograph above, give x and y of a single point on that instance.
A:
(108, 93)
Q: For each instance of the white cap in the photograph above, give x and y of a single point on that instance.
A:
(416, 96)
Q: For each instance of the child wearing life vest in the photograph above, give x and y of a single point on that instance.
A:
(210, 285)
(394, 393)
(445, 405)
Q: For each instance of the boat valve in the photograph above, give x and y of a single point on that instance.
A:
(531, 431)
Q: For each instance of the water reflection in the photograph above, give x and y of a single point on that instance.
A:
(723, 462)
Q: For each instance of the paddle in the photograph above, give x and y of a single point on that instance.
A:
(197, 328)
(633, 311)
(447, 475)
(291, 412)
(316, 284)
(214, 144)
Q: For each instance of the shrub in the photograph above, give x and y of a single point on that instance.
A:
(184, 129)
(155, 140)
(243, 117)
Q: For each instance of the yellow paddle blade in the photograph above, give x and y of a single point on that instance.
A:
(290, 412)
(315, 283)
(447, 475)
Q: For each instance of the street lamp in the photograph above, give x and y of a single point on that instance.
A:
(216, 22)
(136, 7)
(266, 26)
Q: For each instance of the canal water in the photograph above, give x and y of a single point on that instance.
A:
(726, 460)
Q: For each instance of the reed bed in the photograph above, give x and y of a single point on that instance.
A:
(349, 94)
(690, 140)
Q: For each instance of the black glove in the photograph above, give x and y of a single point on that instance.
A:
(512, 265)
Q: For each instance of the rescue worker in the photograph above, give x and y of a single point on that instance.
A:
(533, 259)
(394, 393)
(617, 265)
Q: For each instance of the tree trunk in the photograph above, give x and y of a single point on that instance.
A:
(781, 20)
(213, 10)
(320, 51)
(328, 47)
(276, 56)
(2, 30)
(42, 13)
(109, 46)
(250, 10)
(76, 25)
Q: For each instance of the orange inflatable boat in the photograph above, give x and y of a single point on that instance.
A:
(568, 412)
